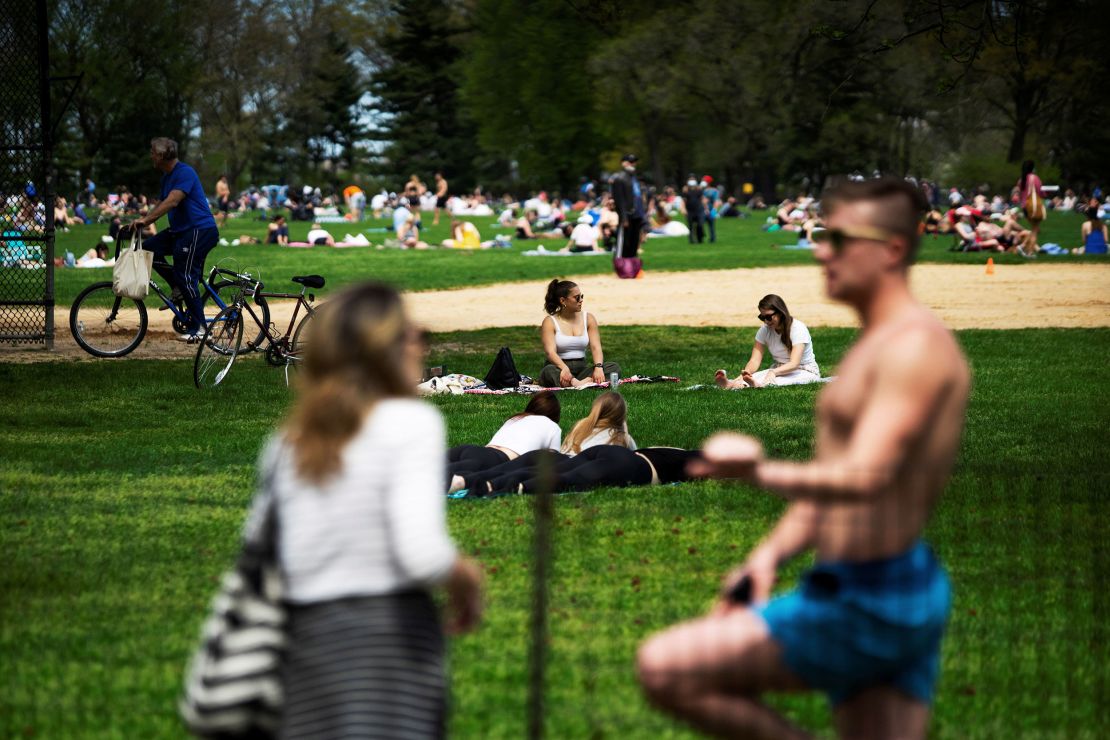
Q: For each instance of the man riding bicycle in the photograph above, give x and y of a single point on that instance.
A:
(191, 236)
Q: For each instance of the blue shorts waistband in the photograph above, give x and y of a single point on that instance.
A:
(915, 565)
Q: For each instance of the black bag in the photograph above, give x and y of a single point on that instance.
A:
(503, 373)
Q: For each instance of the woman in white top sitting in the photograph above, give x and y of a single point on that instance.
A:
(606, 424)
(583, 238)
(356, 477)
(567, 331)
(791, 351)
(535, 428)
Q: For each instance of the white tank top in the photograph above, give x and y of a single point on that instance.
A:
(570, 347)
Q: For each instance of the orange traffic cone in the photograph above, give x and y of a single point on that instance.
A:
(990, 265)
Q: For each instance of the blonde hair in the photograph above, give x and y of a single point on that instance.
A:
(608, 412)
(354, 357)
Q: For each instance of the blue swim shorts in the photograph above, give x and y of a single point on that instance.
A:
(851, 626)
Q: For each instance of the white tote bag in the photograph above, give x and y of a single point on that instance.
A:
(131, 275)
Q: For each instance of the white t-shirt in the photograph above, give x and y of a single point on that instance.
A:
(379, 525)
(314, 234)
(528, 433)
(604, 437)
(584, 235)
(799, 334)
(400, 216)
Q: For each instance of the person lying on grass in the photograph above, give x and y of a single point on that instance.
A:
(599, 466)
(606, 424)
(535, 428)
(566, 331)
(791, 349)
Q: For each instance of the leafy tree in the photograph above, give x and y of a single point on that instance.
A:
(416, 95)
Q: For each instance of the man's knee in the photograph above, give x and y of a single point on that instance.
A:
(657, 672)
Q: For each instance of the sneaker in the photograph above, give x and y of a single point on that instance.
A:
(193, 338)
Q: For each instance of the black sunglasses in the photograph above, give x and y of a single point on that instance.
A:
(838, 238)
(766, 317)
(579, 297)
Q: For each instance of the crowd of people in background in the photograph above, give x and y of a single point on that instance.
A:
(587, 219)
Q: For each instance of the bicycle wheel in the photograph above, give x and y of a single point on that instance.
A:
(104, 324)
(300, 342)
(227, 290)
(219, 348)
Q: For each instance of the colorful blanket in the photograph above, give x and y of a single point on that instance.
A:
(530, 388)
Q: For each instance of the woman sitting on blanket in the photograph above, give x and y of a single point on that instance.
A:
(583, 238)
(278, 232)
(566, 331)
(791, 349)
(605, 425)
(464, 235)
(535, 428)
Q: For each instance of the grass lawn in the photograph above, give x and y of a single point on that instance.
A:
(122, 490)
(741, 243)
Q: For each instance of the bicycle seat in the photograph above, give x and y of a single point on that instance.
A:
(309, 281)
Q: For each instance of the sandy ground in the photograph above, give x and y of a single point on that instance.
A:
(1030, 295)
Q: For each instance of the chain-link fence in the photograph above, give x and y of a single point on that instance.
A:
(26, 190)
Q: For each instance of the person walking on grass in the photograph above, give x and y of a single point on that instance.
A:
(866, 622)
(191, 236)
(356, 478)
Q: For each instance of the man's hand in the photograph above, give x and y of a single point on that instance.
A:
(761, 568)
(464, 597)
(728, 455)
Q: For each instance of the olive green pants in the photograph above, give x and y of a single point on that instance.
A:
(580, 369)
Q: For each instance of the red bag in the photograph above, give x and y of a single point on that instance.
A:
(627, 268)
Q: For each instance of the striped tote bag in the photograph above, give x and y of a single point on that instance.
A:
(233, 683)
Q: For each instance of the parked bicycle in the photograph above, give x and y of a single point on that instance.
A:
(107, 325)
(223, 341)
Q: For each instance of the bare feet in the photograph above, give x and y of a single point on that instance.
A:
(457, 484)
(749, 379)
(721, 379)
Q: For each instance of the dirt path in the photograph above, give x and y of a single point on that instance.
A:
(962, 295)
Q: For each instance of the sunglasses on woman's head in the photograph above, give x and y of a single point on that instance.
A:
(838, 238)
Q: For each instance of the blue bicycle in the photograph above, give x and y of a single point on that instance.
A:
(107, 325)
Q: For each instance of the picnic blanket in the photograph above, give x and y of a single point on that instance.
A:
(715, 387)
(541, 252)
(337, 245)
(527, 389)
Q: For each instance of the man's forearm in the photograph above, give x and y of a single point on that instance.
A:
(793, 534)
(817, 481)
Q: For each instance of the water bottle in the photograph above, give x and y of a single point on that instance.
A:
(614, 378)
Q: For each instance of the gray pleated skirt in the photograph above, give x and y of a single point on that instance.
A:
(369, 667)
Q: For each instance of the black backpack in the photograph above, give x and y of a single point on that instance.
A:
(503, 373)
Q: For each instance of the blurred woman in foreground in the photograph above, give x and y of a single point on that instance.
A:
(356, 475)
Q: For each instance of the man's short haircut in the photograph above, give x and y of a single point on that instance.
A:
(901, 205)
(166, 149)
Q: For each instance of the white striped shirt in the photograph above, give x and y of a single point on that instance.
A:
(377, 526)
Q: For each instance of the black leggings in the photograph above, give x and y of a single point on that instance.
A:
(594, 467)
(468, 459)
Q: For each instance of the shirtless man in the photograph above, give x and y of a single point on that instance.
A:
(441, 196)
(866, 623)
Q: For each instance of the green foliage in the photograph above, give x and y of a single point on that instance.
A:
(416, 89)
(122, 497)
(528, 86)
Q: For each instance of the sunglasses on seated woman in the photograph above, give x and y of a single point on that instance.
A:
(838, 238)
